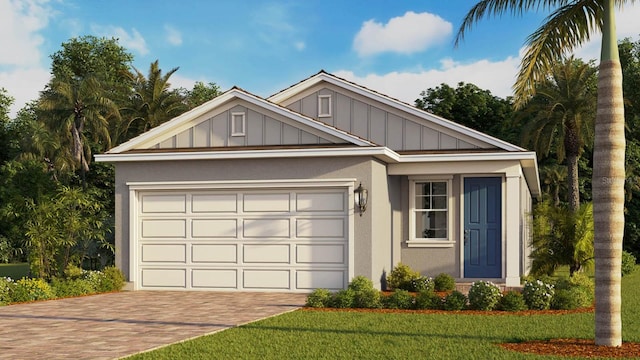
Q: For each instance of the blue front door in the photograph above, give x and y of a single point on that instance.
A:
(482, 227)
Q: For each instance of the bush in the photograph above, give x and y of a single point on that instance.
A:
(628, 263)
(31, 290)
(399, 299)
(455, 301)
(484, 295)
(319, 298)
(421, 283)
(512, 301)
(427, 299)
(570, 299)
(444, 282)
(6, 290)
(359, 283)
(364, 294)
(343, 299)
(73, 272)
(537, 294)
(71, 287)
(109, 279)
(400, 277)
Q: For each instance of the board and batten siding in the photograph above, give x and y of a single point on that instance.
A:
(373, 122)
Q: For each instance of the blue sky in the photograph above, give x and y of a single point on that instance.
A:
(395, 47)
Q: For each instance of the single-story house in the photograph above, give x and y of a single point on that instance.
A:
(321, 182)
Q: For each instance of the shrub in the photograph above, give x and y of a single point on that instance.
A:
(360, 283)
(6, 290)
(421, 283)
(109, 279)
(484, 295)
(31, 290)
(319, 298)
(400, 277)
(628, 263)
(569, 299)
(427, 299)
(364, 294)
(71, 287)
(73, 272)
(537, 294)
(444, 282)
(455, 301)
(512, 301)
(343, 299)
(399, 299)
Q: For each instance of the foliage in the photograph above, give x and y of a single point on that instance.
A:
(401, 276)
(398, 299)
(444, 282)
(109, 279)
(628, 263)
(6, 290)
(561, 237)
(319, 298)
(365, 295)
(538, 294)
(360, 283)
(484, 295)
(428, 299)
(31, 290)
(343, 299)
(570, 299)
(421, 283)
(71, 287)
(200, 93)
(455, 301)
(512, 301)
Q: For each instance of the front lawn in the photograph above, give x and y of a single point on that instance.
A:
(357, 335)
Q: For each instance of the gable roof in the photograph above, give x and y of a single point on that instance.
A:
(322, 76)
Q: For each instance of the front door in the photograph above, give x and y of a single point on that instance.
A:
(482, 227)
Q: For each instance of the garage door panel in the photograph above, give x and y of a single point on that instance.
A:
(320, 254)
(214, 278)
(273, 254)
(164, 253)
(166, 228)
(320, 228)
(266, 228)
(214, 253)
(175, 203)
(214, 203)
(266, 203)
(214, 228)
(164, 278)
(266, 279)
(320, 279)
(312, 202)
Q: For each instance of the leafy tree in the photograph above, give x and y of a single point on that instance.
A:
(200, 93)
(553, 177)
(5, 104)
(561, 115)
(569, 25)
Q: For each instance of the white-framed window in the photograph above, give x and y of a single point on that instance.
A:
(430, 212)
(238, 123)
(324, 105)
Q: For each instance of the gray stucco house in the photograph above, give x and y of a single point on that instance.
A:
(253, 194)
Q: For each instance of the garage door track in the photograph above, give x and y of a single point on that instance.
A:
(110, 326)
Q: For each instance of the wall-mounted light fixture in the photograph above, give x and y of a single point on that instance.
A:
(361, 196)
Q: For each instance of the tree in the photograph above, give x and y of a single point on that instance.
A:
(561, 115)
(569, 25)
(200, 94)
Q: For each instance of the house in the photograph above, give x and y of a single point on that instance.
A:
(253, 194)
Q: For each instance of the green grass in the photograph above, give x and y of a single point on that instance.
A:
(353, 335)
(14, 271)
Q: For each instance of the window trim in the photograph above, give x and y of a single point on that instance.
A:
(320, 100)
(414, 241)
(238, 132)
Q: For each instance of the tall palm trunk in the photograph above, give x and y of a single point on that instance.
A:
(573, 184)
(608, 186)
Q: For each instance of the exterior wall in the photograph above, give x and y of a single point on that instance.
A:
(371, 243)
(526, 210)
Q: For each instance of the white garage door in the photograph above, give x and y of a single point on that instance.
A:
(276, 240)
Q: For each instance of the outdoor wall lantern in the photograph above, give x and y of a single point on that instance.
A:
(361, 197)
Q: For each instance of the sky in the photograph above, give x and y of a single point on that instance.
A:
(398, 48)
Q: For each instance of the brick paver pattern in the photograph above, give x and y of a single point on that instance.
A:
(110, 326)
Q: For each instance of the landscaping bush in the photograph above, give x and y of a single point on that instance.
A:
(455, 301)
(359, 283)
(343, 299)
(444, 282)
(512, 301)
(6, 290)
(319, 298)
(71, 287)
(31, 290)
(364, 294)
(428, 299)
(570, 299)
(109, 279)
(628, 263)
(399, 299)
(484, 295)
(538, 294)
(400, 277)
(421, 283)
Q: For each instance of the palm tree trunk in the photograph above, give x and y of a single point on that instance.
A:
(608, 187)
(572, 179)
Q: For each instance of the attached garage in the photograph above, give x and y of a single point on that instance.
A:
(217, 237)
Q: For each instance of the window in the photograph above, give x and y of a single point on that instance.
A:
(324, 105)
(430, 221)
(237, 124)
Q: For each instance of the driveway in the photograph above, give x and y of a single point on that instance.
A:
(110, 326)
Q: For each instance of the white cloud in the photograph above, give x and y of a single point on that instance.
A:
(24, 85)
(405, 34)
(496, 77)
(299, 45)
(174, 37)
(131, 41)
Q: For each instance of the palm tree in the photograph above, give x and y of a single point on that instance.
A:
(554, 176)
(569, 25)
(76, 111)
(562, 115)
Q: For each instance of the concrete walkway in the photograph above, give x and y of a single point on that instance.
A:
(110, 326)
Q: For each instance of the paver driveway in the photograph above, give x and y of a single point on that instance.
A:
(110, 326)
